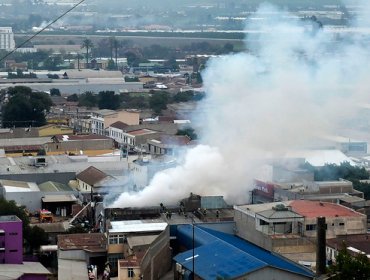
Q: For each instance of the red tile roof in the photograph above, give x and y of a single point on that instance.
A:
(312, 209)
(62, 138)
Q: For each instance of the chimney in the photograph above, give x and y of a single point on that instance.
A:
(321, 246)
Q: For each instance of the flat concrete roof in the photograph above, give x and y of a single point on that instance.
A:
(15, 271)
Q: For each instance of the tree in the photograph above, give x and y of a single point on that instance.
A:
(350, 267)
(25, 108)
(172, 64)
(88, 99)
(37, 237)
(133, 59)
(108, 100)
(88, 45)
(188, 132)
(72, 98)
(115, 45)
(54, 92)
(34, 236)
(158, 102)
(111, 65)
(76, 229)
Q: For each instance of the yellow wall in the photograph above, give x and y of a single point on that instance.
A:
(130, 118)
(123, 274)
(54, 130)
(115, 248)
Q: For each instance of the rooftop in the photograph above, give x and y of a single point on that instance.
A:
(9, 218)
(357, 241)
(143, 131)
(65, 138)
(16, 271)
(91, 175)
(306, 208)
(19, 186)
(119, 125)
(51, 186)
(62, 163)
(313, 209)
(219, 254)
(321, 157)
(59, 198)
(137, 226)
(91, 242)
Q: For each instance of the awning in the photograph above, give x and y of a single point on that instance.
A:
(59, 198)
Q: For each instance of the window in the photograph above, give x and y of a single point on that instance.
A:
(130, 272)
(13, 233)
(341, 224)
(13, 251)
(310, 227)
(116, 239)
(263, 223)
(113, 239)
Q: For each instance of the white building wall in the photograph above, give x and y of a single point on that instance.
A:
(7, 39)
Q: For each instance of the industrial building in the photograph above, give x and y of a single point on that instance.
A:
(211, 254)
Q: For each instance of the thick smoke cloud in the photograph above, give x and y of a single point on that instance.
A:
(296, 82)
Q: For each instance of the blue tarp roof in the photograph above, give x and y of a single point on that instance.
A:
(225, 255)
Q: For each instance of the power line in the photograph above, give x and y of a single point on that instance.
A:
(38, 32)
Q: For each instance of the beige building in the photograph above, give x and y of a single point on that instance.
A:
(139, 249)
(102, 119)
(92, 178)
(289, 227)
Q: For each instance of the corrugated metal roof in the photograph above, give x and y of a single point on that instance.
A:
(219, 259)
(136, 226)
(212, 246)
(270, 258)
(51, 186)
(59, 198)
(92, 242)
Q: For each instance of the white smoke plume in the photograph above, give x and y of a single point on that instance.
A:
(295, 81)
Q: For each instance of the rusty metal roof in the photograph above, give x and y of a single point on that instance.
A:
(91, 242)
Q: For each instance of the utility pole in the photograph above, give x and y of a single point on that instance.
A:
(193, 260)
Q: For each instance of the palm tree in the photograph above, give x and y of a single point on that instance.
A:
(87, 44)
(115, 44)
